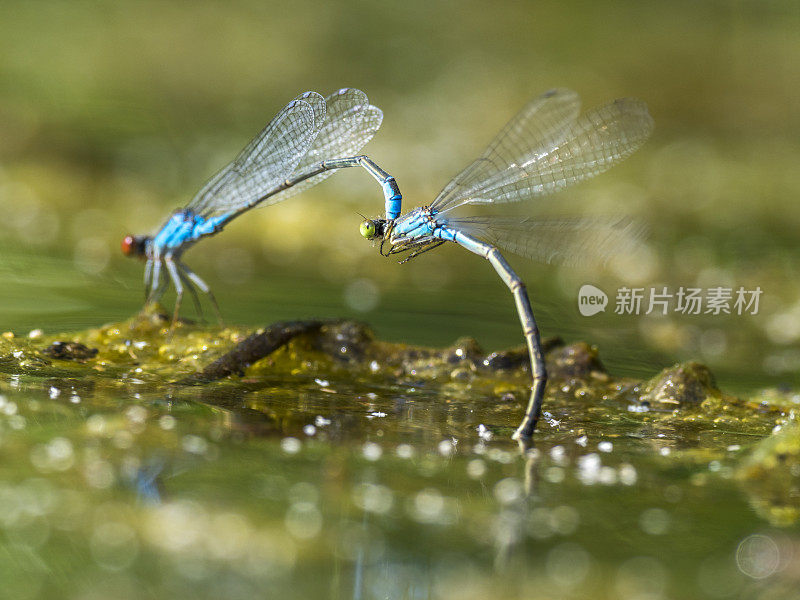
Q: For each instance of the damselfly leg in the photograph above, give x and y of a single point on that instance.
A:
(204, 287)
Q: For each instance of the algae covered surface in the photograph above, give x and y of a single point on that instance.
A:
(323, 462)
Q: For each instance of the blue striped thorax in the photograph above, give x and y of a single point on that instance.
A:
(416, 232)
(184, 227)
(419, 223)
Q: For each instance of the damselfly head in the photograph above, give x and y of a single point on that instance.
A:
(134, 245)
(373, 228)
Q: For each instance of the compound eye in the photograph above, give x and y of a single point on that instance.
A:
(367, 229)
(128, 244)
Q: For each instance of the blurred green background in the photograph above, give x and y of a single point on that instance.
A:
(113, 114)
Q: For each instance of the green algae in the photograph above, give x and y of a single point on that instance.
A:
(146, 351)
(772, 475)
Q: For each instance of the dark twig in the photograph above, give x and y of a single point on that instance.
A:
(256, 347)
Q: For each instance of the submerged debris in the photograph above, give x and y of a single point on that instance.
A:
(578, 360)
(683, 384)
(70, 351)
(518, 358)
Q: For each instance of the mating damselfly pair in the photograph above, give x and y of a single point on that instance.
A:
(547, 146)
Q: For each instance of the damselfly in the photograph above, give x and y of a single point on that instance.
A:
(305, 143)
(545, 148)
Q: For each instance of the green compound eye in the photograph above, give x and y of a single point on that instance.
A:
(367, 229)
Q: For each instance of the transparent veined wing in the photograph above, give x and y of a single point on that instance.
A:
(266, 161)
(350, 122)
(578, 241)
(535, 129)
(547, 147)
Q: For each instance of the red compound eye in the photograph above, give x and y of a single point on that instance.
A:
(128, 245)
